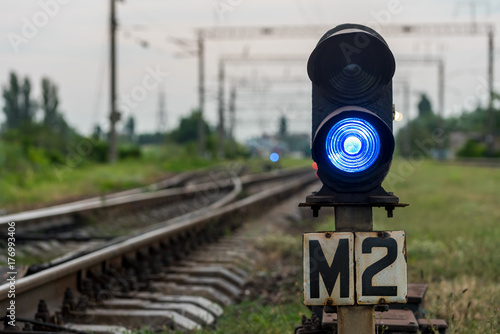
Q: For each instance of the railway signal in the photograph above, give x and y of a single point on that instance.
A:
(352, 268)
(351, 70)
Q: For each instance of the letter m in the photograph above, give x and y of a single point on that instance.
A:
(329, 273)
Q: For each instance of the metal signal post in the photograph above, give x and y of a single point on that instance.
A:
(349, 271)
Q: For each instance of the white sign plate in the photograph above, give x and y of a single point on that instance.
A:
(375, 260)
(381, 267)
(328, 268)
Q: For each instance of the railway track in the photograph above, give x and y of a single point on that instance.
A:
(168, 275)
(51, 217)
(56, 234)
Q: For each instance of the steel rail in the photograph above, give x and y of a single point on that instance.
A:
(227, 198)
(50, 284)
(62, 209)
(66, 213)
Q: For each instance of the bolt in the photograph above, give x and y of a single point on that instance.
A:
(328, 234)
(329, 302)
(315, 212)
(69, 299)
(7, 326)
(87, 287)
(383, 234)
(42, 306)
(389, 210)
(307, 324)
(82, 304)
(381, 301)
(43, 314)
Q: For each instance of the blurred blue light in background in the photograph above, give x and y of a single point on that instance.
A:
(274, 157)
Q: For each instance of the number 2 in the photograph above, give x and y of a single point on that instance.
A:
(375, 268)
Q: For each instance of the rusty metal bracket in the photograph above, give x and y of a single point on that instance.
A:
(316, 206)
(311, 326)
(376, 197)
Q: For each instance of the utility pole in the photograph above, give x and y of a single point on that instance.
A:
(232, 113)
(232, 120)
(220, 127)
(161, 112)
(441, 87)
(441, 154)
(490, 138)
(201, 94)
(114, 115)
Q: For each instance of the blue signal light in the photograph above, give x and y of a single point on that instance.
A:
(352, 145)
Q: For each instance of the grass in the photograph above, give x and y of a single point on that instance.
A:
(259, 317)
(453, 233)
(258, 165)
(452, 221)
(64, 183)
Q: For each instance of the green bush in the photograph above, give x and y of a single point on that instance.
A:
(38, 157)
(472, 149)
(100, 151)
(129, 151)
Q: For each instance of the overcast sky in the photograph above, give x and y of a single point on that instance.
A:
(67, 41)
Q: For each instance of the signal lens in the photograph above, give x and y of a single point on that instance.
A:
(352, 145)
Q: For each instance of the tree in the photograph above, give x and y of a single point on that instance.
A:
(151, 138)
(50, 136)
(130, 128)
(283, 131)
(97, 132)
(28, 106)
(474, 126)
(11, 105)
(419, 136)
(424, 106)
(19, 108)
(188, 128)
(50, 102)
